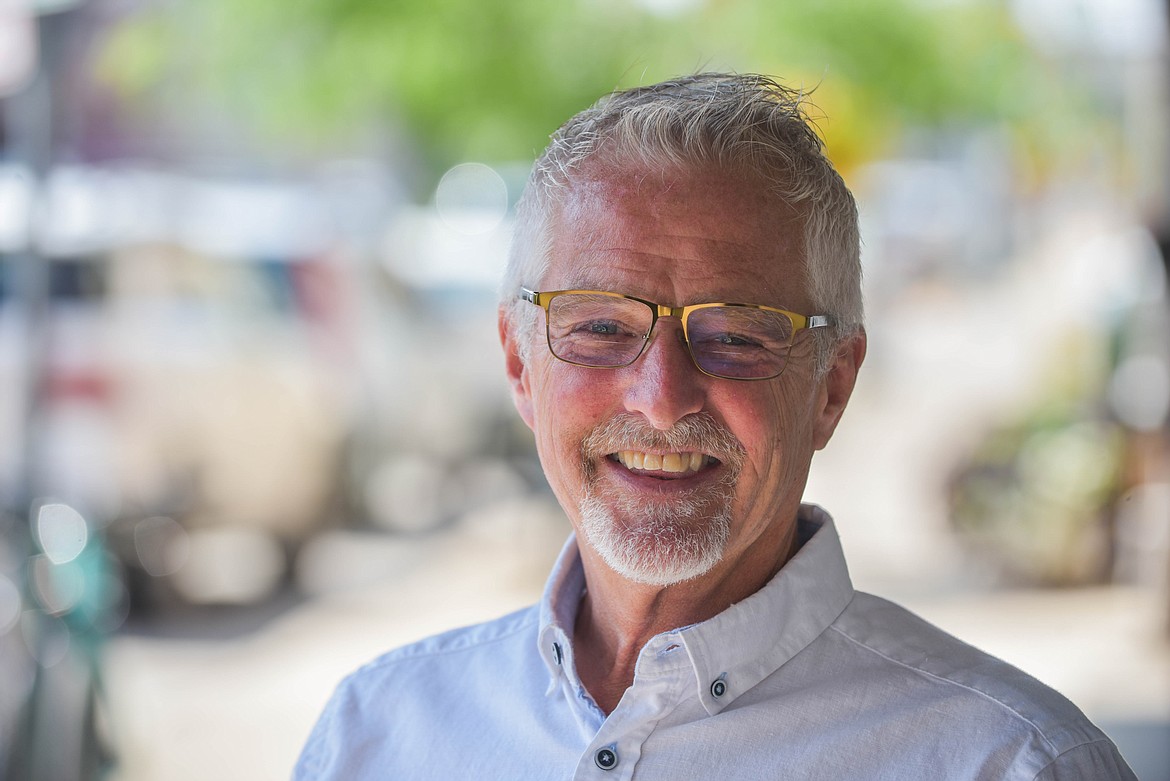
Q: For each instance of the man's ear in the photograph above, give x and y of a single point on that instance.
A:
(837, 387)
(516, 370)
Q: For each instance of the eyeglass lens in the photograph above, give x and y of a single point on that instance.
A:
(736, 342)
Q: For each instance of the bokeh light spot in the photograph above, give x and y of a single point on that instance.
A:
(57, 587)
(1140, 392)
(61, 532)
(162, 545)
(472, 199)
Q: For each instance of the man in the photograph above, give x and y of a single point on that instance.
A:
(682, 325)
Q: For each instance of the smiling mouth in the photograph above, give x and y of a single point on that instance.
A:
(681, 464)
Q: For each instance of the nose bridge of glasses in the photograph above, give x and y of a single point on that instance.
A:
(663, 310)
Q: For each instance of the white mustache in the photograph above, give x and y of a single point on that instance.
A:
(694, 433)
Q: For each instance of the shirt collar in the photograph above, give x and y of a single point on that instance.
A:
(751, 639)
(558, 609)
(746, 642)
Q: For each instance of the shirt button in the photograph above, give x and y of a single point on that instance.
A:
(606, 758)
(718, 688)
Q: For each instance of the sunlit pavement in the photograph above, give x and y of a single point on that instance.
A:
(240, 708)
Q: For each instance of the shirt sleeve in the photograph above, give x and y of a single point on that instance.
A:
(1097, 761)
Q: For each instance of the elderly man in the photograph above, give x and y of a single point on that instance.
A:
(682, 326)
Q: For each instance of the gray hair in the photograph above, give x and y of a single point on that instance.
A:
(742, 122)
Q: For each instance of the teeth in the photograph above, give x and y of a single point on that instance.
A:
(668, 462)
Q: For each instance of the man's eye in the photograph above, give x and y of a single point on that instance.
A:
(599, 327)
(734, 340)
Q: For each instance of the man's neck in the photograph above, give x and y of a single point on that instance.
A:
(617, 617)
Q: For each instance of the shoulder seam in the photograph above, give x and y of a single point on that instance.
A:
(1047, 741)
(1106, 741)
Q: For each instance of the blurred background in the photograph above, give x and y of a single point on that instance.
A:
(253, 424)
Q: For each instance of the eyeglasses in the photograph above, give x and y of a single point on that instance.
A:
(610, 330)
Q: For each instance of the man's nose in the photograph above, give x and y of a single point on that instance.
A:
(664, 385)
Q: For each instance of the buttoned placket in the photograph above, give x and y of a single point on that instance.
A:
(663, 677)
(717, 687)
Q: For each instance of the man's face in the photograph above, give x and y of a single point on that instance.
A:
(669, 474)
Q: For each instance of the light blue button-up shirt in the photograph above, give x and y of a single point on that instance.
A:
(805, 679)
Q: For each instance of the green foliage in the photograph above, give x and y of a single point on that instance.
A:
(469, 79)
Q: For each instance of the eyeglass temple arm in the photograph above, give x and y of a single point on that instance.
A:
(531, 296)
(820, 321)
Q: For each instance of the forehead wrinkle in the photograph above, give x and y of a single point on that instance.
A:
(577, 282)
(596, 270)
(697, 246)
(622, 191)
(593, 270)
(691, 242)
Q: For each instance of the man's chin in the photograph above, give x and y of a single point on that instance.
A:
(658, 543)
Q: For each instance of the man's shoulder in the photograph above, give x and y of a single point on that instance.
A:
(400, 709)
(519, 626)
(946, 667)
(430, 676)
